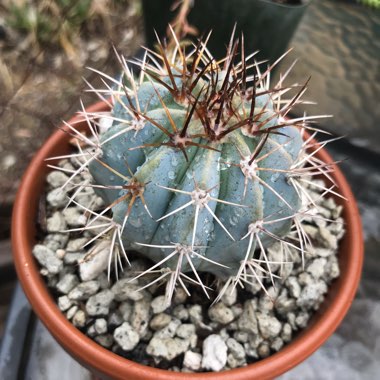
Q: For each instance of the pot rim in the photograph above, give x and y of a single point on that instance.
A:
(103, 361)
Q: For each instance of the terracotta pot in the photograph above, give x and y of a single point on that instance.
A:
(109, 365)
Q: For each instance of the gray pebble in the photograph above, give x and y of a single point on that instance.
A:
(180, 296)
(100, 326)
(56, 178)
(317, 267)
(79, 319)
(311, 294)
(169, 330)
(84, 290)
(286, 333)
(140, 316)
(293, 286)
(126, 336)
(126, 310)
(192, 360)
(159, 304)
(73, 258)
(56, 223)
(230, 295)
(56, 241)
(263, 350)
(167, 348)
(74, 217)
(64, 303)
(269, 326)
(99, 304)
(277, 344)
(247, 321)
(67, 283)
(115, 319)
(126, 290)
(160, 321)
(235, 348)
(47, 258)
(56, 198)
(195, 314)
(214, 353)
(220, 313)
(185, 330)
(71, 312)
(97, 261)
(76, 245)
(233, 362)
(181, 313)
(241, 336)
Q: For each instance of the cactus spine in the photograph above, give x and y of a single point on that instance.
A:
(199, 168)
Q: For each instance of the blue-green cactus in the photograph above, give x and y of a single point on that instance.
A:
(199, 168)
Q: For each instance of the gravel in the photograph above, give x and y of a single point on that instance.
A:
(189, 335)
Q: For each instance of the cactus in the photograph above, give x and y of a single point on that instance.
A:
(199, 167)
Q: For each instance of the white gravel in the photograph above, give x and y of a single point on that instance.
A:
(244, 326)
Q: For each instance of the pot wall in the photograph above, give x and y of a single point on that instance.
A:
(109, 365)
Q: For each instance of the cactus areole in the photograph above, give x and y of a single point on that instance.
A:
(199, 166)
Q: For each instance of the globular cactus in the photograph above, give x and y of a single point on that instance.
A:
(199, 168)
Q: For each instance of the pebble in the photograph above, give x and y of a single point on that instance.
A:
(125, 318)
(247, 322)
(76, 245)
(220, 313)
(71, 312)
(100, 326)
(169, 330)
(126, 309)
(180, 296)
(230, 295)
(47, 258)
(286, 334)
(235, 348)
(167, 348)
(195, 314)
(56, 241)
(263, 350)
(160, 321)
(293, 286)
(317, 268)
(192, 360)
(84, 290)
(126, 336)
(97, 262)
(74, 217)
(115, 319)
(64, 303)
(56, 223)
(124, 289)
(99, 304)
(311, 294)
(79, 319)
(181, 313)
(67, 283)
(159, 304)
(185, 331)
(140, 316)
(269, 326)
(277, 344)
(56, 178)
(214, 353)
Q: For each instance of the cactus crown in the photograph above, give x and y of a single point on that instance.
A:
(199, 166)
